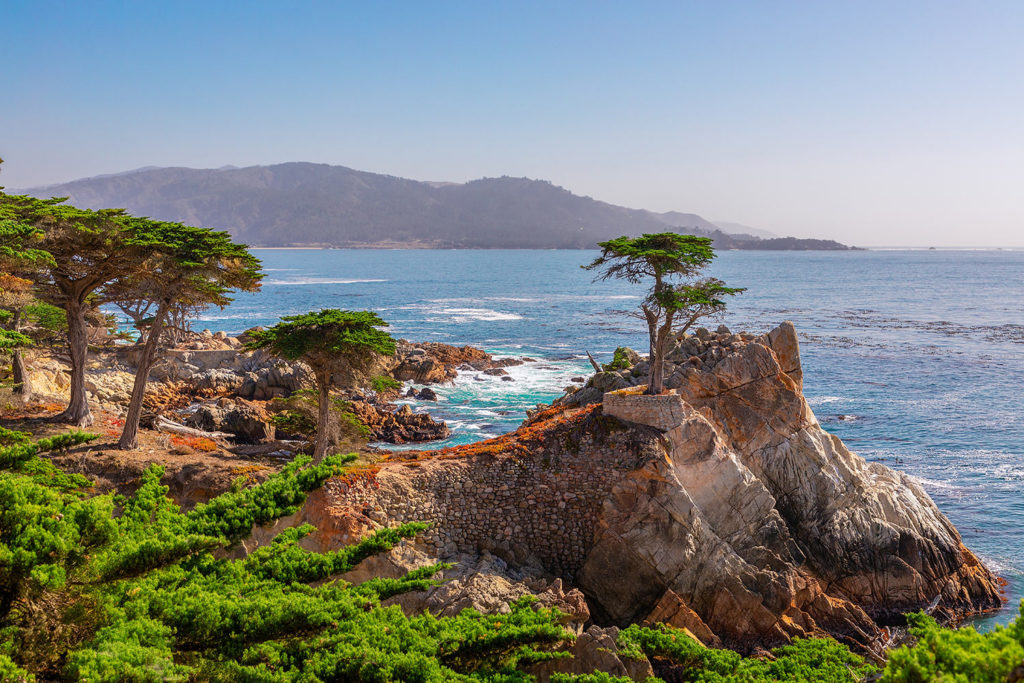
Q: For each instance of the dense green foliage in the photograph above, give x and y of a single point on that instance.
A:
(383, 384)
(620, 360)
(102, 588)
(677, 297)
(803, 661)
(327, 331)
(957, 656)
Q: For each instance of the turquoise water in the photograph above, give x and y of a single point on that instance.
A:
(914, 358)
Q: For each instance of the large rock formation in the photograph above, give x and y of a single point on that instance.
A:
(722, 507)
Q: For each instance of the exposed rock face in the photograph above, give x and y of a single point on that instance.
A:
(398, 425)
(436, 363)
(723, 508)
(249, 422)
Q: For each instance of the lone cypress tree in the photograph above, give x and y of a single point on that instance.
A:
(186, 267)
(670, 307)
(331, 342)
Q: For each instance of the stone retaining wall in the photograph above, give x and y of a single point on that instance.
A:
(662, 412)
(541, 505)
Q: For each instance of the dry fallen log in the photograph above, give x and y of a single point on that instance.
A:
(162, 424)
(597, 367)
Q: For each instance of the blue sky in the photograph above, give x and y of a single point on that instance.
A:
(869, 122)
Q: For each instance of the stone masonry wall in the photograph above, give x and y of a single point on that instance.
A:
(661, 412)
(540, 504)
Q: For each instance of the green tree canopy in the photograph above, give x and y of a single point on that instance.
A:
(186, 268)
(678, 297)
(20, 261)
(333, 343)
(87, 250)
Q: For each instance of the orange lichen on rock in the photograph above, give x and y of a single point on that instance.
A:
(521, 442)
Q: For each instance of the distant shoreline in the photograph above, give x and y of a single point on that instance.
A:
(422, 247)
(411, 247)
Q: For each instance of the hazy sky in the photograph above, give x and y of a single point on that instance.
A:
(868, 122)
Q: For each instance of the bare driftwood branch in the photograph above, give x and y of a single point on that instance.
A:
(597, 367)
(162, 424)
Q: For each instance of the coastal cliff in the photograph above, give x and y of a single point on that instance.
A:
(722, 507)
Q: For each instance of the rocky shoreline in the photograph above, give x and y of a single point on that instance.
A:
(212, 385)
(721, 507)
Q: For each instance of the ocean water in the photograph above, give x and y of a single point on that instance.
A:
(914, 358)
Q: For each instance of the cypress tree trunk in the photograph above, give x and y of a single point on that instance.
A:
(77, 412)
(663, 337)
(657, 383)
(323, 423)
(22, 383)
(652, 346)
(130, 434)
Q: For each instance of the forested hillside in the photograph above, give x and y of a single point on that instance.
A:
(319, 205)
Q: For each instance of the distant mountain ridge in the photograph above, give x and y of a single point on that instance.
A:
(307, 204)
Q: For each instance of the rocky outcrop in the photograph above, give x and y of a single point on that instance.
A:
(723, 507)
(398, 425)
(248, 421)
(436, 363)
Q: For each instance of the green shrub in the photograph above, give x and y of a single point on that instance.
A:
(297, 415)
(383, 384)
(620, 360)
(956, 656)
(817, 660)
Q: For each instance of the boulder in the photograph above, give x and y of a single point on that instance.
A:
(110, 386)
(249, 422)
(423, 370)
(608, 381)
(49, 378)
(426, 394)
(596, 649)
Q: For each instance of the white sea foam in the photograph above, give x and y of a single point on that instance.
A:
(462, 315)
(934, 484)
(320, 281)
(229, 316)
(1000, 566)
(820, 400)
